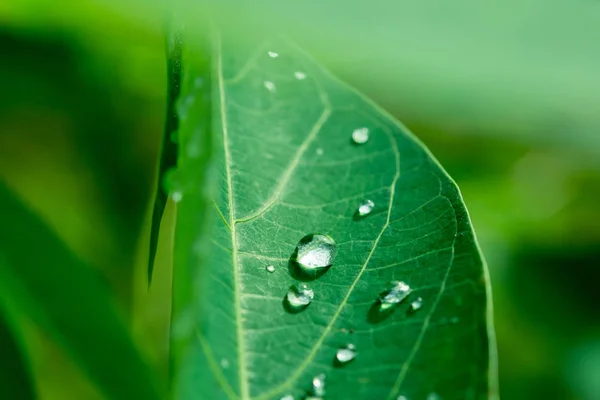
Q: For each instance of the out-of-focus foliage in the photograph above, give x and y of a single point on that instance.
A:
(504, 95)
(43, 282)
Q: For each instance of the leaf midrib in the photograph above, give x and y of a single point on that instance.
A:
(244, 393)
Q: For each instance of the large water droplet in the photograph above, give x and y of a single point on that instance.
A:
(272, 54)
(299, 75)
(416, 304)
(365, 208)
(315, 252)
(394, 295)
(318, 385)
(270, 268)
(270, 86)
(345, 354)
(300, 296)
(360, 135)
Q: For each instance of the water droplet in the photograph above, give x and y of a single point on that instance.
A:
(318, 385)
(454, 320)
(401, 398)
(183, 325)
(184, 105)
(299, 296)
(287, 397)
(299, 75)
(416, 304)
(320, 151)
(394, 295)
(270, 86)
(224, 363)
(270, 268)
(365, 208)
(173, 184)
(433, 396)
(315, 251)
(346, 354)
(360, 135)
(272, 54)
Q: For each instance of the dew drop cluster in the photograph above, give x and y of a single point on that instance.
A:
(314, 254)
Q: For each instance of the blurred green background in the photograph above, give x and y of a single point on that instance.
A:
(510, 110)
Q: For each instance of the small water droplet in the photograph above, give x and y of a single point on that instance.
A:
(300, 296)
(315, 251)
(272, 54)
(360, 135)
(183, 324)
(270, 268)
(416, 304)
(173, 184)
(433, 396)
(346, 354)
(320, 151)
(224, 363)
(184, 105)
(270, 86)
(401, 398)
(394, 295)
(365, 208)
(454, 320)
(318, 385)
(299, 75)
(287, 397)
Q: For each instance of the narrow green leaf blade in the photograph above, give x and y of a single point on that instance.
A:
(41, 279)
(15, 379)
(168, 150)
(287, 167)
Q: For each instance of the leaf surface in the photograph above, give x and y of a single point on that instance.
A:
(42, 280)
(286, 167)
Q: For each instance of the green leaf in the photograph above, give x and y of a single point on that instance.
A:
(286, 167)
(168, 151)
(15, 380)
(42, 280)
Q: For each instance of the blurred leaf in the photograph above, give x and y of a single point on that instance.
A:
(191, 182)
(286, 167)
(41, 279)
(521, 68)
(168, 152)
(527, 69)
(15, 381)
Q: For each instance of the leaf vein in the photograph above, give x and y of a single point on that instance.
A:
(296, 374)
(291, 167)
